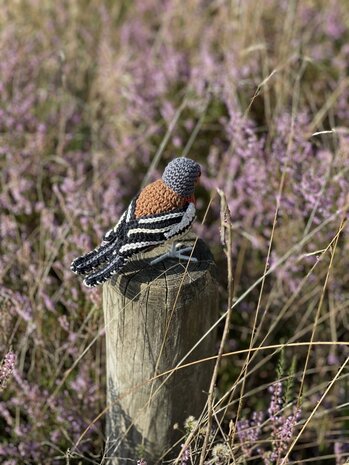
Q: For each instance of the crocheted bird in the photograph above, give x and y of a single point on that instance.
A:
(163, 210)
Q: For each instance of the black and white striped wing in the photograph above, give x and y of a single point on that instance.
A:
(150, 231)
(136, 235)
(111, 241)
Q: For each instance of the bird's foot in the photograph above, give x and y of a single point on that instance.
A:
(176, 252)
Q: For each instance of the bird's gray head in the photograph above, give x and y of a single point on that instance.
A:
(181, 174)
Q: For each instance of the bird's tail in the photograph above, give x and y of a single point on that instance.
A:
(104, 274)
(92, 260)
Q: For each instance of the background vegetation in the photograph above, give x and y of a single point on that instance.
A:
(96, 97)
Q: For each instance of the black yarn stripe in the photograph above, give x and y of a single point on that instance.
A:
(103, 275)
(156, 225)
(142, 237)
(100, 255)
(95, 258)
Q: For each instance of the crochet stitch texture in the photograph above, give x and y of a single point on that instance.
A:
(180, 175)
(156, 198)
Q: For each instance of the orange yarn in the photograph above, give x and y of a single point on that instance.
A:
(157, 198)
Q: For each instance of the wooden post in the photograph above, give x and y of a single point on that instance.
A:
(154, 314)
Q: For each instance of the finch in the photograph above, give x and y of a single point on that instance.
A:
(163, 210)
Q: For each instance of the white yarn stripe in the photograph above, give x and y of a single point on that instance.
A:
(160, 218)
(186, 221)
(129, 211)
(149, 231)
(138, 245)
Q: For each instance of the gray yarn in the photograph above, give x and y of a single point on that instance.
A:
(180, 175)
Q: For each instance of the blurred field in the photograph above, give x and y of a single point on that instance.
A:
(96, 97)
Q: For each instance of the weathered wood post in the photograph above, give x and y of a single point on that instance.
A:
(154, 314)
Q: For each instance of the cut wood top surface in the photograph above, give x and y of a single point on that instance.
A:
(168, 273)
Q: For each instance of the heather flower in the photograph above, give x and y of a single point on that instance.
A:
(283, 435)
(7, 368)
(282, 429)
(63, 321)
(282, 426)
(275, 402)
(249, 432)
(340, 452)
(332, 359)
(185, 455)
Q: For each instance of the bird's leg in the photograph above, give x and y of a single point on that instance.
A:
(178, 252)
(175, 252)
